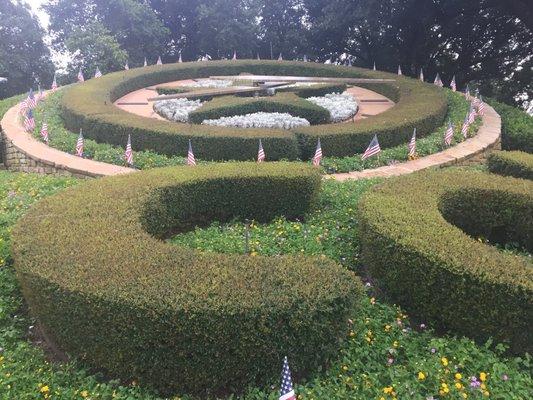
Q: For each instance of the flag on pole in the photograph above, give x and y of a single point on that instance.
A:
(466, 124)
(31, 101)
(318, 154)
(305, 58)
(54, 83)
(481, 106)
(412, 145)
(44, 132)
(399, 69)
(286, 391)
(40, 94)
(448, 134)
(23, 106)
(471, 114)
(159, 61)
(79, 145)
(145, 62)
(467, 92)
(374, 68)
(258, 58)
(372, 149)
(29, 121)
(80, 76)
(190, 155)
(234, 55)
(421, 75)
(97, 73)
(126, 67)
(128, 154)
(453, 85)
(438, 81)
(180, 59)
(280, 58)
(261, 153)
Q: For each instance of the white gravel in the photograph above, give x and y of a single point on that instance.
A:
(340, 106)
(210, 83)
(259, 120)
(176, 109)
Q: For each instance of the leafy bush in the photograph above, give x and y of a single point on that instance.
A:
(173, 317)
(228, 106)
(511, 163)
(517, 127)
(435, 269)
(171, 90)
(317, 90)
(89, 106)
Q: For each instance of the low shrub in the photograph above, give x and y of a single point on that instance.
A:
(171, 90)
(176, 318)
(517, 127)
(511, 163)
(89, 106)
(439, 272)
(228, 106)
(318, 90)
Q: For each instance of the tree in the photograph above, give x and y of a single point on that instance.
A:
(24, 58)
(133, 23)
(93, 46)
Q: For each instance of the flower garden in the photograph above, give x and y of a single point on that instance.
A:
(189, 282)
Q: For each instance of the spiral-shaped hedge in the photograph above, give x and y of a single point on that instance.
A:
(95, 271)
(421, 241)
(90, 106)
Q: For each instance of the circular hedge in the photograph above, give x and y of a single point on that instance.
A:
(511, 163)
(419, 239)
(90, 106)
(107, 289)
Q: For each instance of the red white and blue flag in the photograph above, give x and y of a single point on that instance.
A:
(54, 83)
(472, 114)
(126, 67)
(286, 391)
(372, 149)
(97, 73)
(159, 61)
(180, 60)
(453, 84)
(421, 74)
(31, 101)
(79, 145)
(80, 76)
(481, 106)
(234, 55)
(145, 62)
(190, 155)
(44, 132)
(448, 134)
(399, 69)
(438, 81)
(280, 58)
(318, 154)
(29, 121)
(374, 68)
(261, 153)
(128, 154)
(23, 106)
(412, 145)
(466, 124)
(467, 92)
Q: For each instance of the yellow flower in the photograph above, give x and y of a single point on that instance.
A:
(464, 395)
(84, 393)
(395, 344)
(482, 376)
(486, 393)
(253, 253)
(387, 328)
(421, 376)
(444, 361)
(483, 386)
(458, 385)
(345, 368)
(372, 300)
(387, 389)
(45, 389)
(352, 333)
(458, 376)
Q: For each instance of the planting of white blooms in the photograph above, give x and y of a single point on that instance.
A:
(340, 106)
(176, 109)
(259, 120)
(210, 83)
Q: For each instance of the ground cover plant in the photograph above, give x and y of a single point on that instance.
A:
(384, 356)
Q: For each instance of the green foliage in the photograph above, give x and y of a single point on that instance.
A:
(168, 313)
(435, 269)
(171, 90)
(227, 106)
(318, 90)
(517, 127)
(511, 163)
(88, 106)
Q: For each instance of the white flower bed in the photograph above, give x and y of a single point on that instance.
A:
(259, 120)
(176, 109)
(210, 83)
(340, 106)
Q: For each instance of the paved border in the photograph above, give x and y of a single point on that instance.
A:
(26, 154)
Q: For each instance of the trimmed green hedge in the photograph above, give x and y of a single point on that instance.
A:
(227, 106)
(171, 90)
(318, 90)
(511, 163)
(517, 127)
(444, 274)
(89, 106)
(109, 291)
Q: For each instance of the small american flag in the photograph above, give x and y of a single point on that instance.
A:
(190, 155)
(260, 153)
(97, 73)
(305, 58)
(481, 106)
(472, 114)
(44, 132)
(128, 154)
(126, 67)
(80, 76)
(412, 145)
(399, 69)
(466, 124)
(40, 94)
(234, 55)
(374, 68)
(438, 81)
(421, 74)
(180, 60)
(29, 121)
(372, 149)
(145, 62)
(280, 58)
(448, 134)
(467, 92)
(54, 83)
(453, 85)
(318, 154)
(23, 107)
(79, 145)
(31, 101)
(286, 391)
(159, 61)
